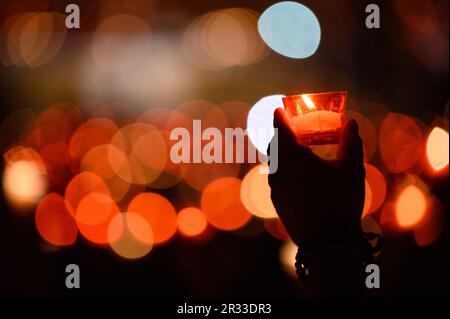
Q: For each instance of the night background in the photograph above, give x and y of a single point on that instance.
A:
(165, 63)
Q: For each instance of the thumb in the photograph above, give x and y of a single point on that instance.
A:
(282, 122)
(350, 147)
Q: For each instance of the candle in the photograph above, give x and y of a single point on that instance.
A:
(317, 117)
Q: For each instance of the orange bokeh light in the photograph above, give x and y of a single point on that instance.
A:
(377, 186)
(191, 221)
(98, 161)
(400, 142)
(437, 149)
(158, 212)
(432, 225)
(255, 193)
(275, 227)
(367, 132)
(144, 166)
(94, 213)
(221, 203)
(130, 235)
(410, 206)
(25, 178)
(90, 134)
(53, 222)
(81, 185)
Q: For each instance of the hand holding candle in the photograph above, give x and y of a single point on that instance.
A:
(320, 202)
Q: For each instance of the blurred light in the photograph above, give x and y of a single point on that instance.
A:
(53, 222)
(25, 178)
(288, 253)
(377, 186)
(120, 42)
(130, 235)
(400, 142)
(367, 198)
(437, 149)
(198, 175)
(235, 111)
(133, 141)
(367, 132)
(255, 193)
(410, 206)
(221, 203)
(260, 121)
(223, 38)
(91, 133)
(24, 183)
(42, 37)
(81, 185)
(191, 221)
(290, 29)
(432, 225)
(426, 31)
(32, 38)
(165, 120)
(158, 213)
(93, 216)
(275, 227)
(98, 161)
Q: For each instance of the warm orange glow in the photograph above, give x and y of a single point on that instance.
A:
(224, 38)
(53, 222)
(90, 134)
(410, 206)
(377, 186)
(437, 149)
(120, 42)
(94, 213)
(191, 221)
(158, 212)
(98, 161)
(367, 131)
(144, 166)
(432, 224)
(275, 227)
(221, 203)
(81, 185)
(308, 102)
(255, 193)
(24, 183)
(130, 235)
(288, 251)
(400, 142)
(367, 199)
(198, 175)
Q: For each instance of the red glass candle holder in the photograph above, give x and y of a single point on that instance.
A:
(317, 117)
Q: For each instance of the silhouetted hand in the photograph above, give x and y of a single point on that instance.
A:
(320, 202)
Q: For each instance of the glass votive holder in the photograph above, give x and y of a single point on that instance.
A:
(317, 117)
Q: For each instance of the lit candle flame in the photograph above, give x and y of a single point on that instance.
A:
(308, 102)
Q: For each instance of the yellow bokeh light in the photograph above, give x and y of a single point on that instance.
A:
(437, 149)
(255, 193)
(24, 183)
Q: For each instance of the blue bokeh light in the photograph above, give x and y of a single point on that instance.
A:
(290, 29)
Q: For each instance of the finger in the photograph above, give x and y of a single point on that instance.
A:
(282, 122)
(350, 146)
